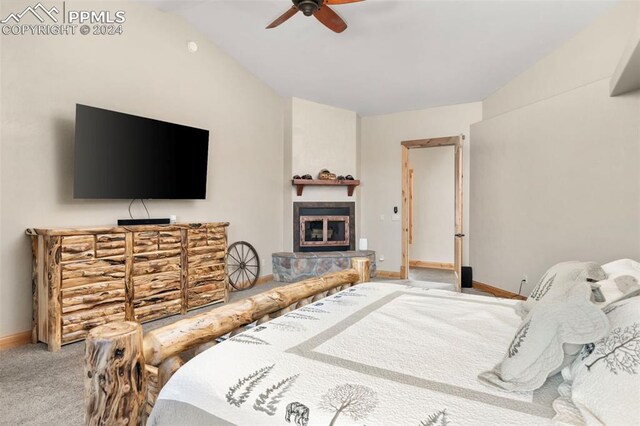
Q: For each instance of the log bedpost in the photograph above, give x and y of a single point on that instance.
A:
(114, 375)
(167, 368)
(362, 265)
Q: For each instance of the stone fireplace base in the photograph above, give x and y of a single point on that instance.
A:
(290, 267)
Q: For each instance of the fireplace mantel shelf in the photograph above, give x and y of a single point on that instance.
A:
(301, 183)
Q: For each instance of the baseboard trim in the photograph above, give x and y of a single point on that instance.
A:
(498, 292)
(15, 340)
(264, 279)
(431, 265)
(388, 274)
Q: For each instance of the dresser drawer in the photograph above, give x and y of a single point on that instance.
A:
(206, 293)
(92, 272)
(76, 325)
(197, 276)
(158, 310)
(144, 242)
(92, 296)
(169, 240)
(77, 247)
(207, 236)
(152, 284)
(206, 259)
(197, 237)
(157, 283)
(108, 245)
(154, 288)
(141, 266)
(217, 235)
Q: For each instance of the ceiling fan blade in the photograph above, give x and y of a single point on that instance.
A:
(341, 1)
(288, 14)
(330, 19)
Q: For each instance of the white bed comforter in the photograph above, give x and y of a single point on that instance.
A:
(375, 354)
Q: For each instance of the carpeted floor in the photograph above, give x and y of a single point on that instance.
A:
(38, 387)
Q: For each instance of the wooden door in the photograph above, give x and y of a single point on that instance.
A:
(459, 235)
(407, 198)
(411, 189)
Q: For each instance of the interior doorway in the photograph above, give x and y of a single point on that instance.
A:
(410, 198)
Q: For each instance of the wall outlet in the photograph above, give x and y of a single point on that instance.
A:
(523, 283)
(395, 217)
(263, 262)
(381, 258)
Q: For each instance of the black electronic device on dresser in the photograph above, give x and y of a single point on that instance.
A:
(128, 222)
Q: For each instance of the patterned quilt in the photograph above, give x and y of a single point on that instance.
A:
(374, 354)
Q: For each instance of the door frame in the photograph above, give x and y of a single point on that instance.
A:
(456, 142)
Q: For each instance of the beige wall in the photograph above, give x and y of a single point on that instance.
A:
(589, 56)
(433, 204)
(147, 71)
(322, 137)
(2, 258)
(555, 162)
(381, 169)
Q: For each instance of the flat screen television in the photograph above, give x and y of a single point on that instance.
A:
(124, 156)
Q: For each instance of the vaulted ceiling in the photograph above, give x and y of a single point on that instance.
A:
(395, 55)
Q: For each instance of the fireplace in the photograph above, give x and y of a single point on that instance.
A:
(324, 231)
(323, 226)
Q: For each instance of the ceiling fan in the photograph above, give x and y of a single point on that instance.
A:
(318, 8)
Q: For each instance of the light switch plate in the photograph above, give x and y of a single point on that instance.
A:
(395, 217)
(381, 217)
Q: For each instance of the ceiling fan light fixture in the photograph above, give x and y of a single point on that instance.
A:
(318, 8)
(308, 7)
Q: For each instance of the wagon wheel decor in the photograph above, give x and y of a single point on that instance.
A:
(243, 265)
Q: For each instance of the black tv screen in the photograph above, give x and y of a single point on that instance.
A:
(120, 155)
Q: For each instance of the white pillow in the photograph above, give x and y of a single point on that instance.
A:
(622, 267)
(557, 279)
(536, 351)
(613, 289)
(602, 387)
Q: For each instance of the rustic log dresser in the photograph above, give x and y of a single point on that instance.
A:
(86, 277)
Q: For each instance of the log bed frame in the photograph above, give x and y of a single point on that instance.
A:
(124, 370)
